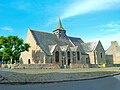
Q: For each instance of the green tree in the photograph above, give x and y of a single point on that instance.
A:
(11, 48)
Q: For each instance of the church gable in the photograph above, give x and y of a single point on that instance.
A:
(54, 48)
(30, 39)
(99, 47)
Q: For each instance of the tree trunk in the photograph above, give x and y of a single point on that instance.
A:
(11, 60)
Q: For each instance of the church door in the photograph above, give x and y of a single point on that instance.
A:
(57, 56)
(28, 61)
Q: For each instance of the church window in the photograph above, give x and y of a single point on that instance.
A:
(73, 53)
(68, 56)
(78, 55)
(87, 61)
(63, 53)
(101, 55)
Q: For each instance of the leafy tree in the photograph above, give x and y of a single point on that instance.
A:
(11, 48)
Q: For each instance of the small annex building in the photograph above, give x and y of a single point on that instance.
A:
(113, 53)
(58, 48)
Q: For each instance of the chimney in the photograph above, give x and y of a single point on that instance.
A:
(114, 43)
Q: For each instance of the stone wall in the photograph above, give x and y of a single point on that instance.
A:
(31, 66)
(42, 66)
(79, 66)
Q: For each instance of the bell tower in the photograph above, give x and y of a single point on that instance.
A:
(60, 32)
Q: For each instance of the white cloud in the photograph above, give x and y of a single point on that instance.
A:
(86, 6)
(111, 27)
(22, 5)
(7, 28)
(108, 32)
(106, 40)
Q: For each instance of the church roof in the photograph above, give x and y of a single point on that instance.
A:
(44, 40)
(90, 46)
(76, 41)
(48, 41)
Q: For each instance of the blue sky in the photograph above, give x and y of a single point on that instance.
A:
(90, 20)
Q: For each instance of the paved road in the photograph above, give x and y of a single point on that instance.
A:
(109, 83)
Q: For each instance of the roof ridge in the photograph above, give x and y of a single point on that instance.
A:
(41, 31)
(74, 37)
(92, 42)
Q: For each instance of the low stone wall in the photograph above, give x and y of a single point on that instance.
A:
(42, 66)
(112, 65)
(93, 65)
(79, 66)
(6, 65)
(31, 66)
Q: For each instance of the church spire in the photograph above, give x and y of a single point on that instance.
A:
(59, 25)
(60, 32)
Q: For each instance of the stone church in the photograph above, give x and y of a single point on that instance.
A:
(59, 48)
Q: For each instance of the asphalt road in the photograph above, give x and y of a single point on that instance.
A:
(109, 83)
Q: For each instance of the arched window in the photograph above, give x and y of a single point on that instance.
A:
(68, 56)
(56, 56)
(63, 53)
(78, 55)
(87, 61)
(101, 55)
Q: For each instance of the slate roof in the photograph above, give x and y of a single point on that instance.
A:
(48, 42)
(44, 40)
(76, 41)
(90, 46)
